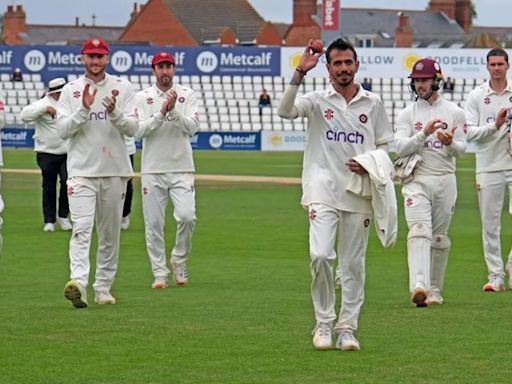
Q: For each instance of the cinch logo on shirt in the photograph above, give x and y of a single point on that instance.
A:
(434, 144)
(351, 137)
(101, 115)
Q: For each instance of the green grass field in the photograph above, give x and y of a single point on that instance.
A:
(246, 315)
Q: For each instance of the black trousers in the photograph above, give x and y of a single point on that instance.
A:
(127, 208)
(53, 167)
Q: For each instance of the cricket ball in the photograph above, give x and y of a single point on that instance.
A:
(317, 46)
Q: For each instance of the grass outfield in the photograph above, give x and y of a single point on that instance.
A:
(246, 315)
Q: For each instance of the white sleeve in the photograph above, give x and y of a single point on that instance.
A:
(475, 132)
(69, 120)
(33, 111)
(458, 145)
(407, 144)
(188, 121)
(147, 123)
(124, 119)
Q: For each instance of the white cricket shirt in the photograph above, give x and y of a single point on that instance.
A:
(166, 139)
(337, 132)
(46, 139)
(96, 138)
(437, 159)
(492, 145)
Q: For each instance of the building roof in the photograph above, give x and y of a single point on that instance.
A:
(426, 25)
(63, 34)
(204, 19)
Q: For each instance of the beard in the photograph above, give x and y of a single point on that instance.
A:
(165, 81)
(95, 70)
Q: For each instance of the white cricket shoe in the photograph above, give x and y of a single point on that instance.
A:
(419, 297)
(322, 336)
(434, 296)
(495, 284)
(347, 341)
(76, 293)
(125, 223)
(49, 227)
(160, 283)
(104, 297)
(180, 273)
(64, 223)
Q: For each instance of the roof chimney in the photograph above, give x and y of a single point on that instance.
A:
(446, 6)
(403, 32)
(14, 25)
(464, 13)
(303, 10)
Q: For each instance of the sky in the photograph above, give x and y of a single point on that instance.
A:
(117, 12)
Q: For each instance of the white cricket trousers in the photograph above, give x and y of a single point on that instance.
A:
(429, 203)
(491, 192)
(100, 199)
(156, 190)
(352, 229)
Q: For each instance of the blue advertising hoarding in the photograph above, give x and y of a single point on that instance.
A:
(61, 61)
(235, 141)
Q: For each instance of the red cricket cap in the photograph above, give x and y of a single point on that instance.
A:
(162, 57)
(95, 46)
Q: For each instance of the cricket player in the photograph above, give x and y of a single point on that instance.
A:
(94, 115)
(487, 111)
(51, 155)
(343, 121)
(168, 118)
(433, 128)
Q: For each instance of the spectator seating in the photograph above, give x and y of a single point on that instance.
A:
(230, 103)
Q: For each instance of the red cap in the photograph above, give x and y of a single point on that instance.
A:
(95, 46)
(162, 57)
(426, 69)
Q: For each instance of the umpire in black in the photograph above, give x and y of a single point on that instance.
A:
(51, 153)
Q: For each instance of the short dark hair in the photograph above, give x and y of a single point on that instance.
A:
(497, 52)
(341, 45)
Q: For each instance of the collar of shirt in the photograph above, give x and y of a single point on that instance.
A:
(488, 90)
(99, 83)
(161, 93)
(359, 94)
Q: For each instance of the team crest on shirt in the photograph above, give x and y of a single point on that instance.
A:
(444, 125)
(115, 92)
(366, 223)
(329, 114)
(487, 100)
(363, 118)
(409, 202)
(312, 214)
(181, 99)
(149, 100)
(418, 126)
(76, 94)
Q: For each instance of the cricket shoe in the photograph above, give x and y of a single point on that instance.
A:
(104, 298)
(434, 296)
(347, 341)
(419, 297)
(495, 284)
(64, 223)
(49, 227)
(76, 293)
(160, 283)
(322, 336)
(180, 273)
